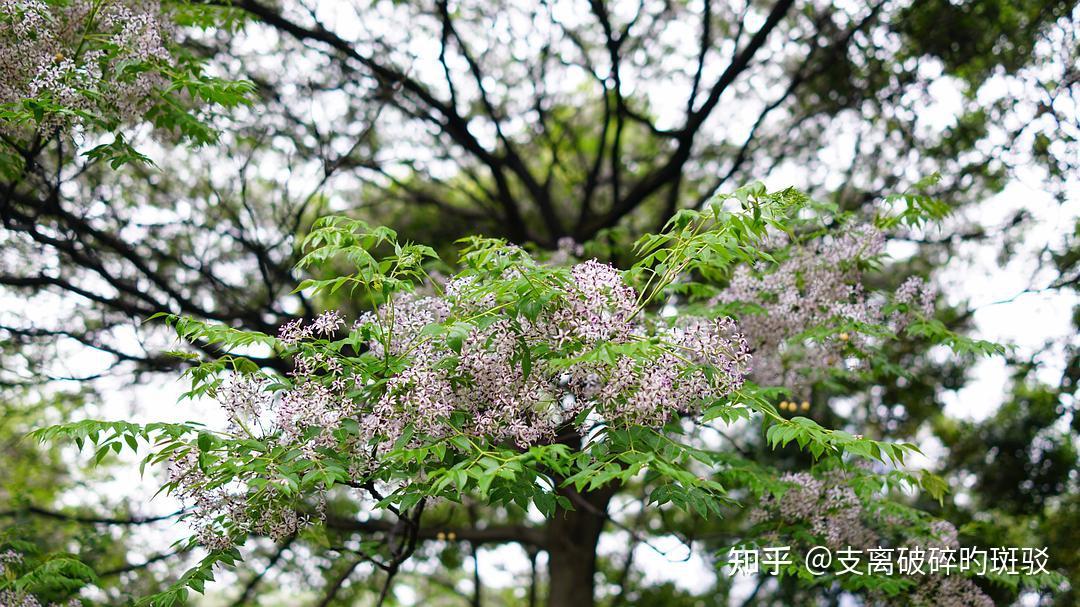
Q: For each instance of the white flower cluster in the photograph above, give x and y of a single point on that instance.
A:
(506, 400)
(918, 296)
(816, 286)
(46, 51)
(829, 506)
(486, 374)
(9, 598)
(209, 503)
(9, 557)
(834, 513)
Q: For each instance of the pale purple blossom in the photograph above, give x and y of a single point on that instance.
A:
(486, 375)
(294, 331)
(828, 506)
(600, 305)
(918, 296)
(9, 598)
(506, 401)
(817, 285)
(945, 591)
(566, 249)
(835, 514)
(13, 598)
(245, 398)
(9, 557)
(327, 323)
(208, 502)
(43, 54)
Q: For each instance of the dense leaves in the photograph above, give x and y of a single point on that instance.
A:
(557, 369)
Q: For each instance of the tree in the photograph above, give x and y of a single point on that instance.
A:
(515, 384)
(467, 139)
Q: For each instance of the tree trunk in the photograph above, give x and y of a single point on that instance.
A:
(571, 547)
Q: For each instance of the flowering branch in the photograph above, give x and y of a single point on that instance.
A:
(522, 383)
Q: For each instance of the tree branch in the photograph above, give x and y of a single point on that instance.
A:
(87, 519)
(655, 180)
(495, 534)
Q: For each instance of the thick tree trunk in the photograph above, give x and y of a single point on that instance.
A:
(571, 547)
